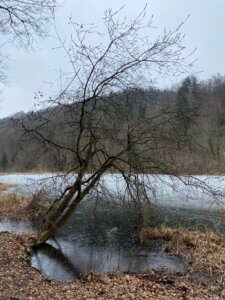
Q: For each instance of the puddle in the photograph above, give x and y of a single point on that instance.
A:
(103, 237)
(66, 261)
(16, 226)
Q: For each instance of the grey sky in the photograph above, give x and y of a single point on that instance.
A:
(205, 29)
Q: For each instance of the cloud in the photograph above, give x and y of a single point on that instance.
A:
(205, 30)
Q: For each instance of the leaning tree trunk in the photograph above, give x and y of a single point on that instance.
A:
(58, 217)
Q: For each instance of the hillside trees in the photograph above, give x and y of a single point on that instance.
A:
(22, 24)
(214, 116)
(207, 130)
(187, 103)
(99, 127)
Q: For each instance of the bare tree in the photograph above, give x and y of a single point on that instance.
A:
(93, 120)
(22, 22)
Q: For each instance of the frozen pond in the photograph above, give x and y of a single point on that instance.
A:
(200, 192)
(15, 226)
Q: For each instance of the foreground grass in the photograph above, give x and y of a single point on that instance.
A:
(16, 207)
(205, 251)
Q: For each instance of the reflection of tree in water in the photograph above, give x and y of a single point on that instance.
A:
(78, 263)
(94, 225)
(54, 254)
(82, 259)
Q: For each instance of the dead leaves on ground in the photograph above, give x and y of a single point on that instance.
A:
(20, 281)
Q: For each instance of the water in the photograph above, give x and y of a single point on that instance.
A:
(102, 236)
(199, 192)
(16, 226)
(67, 261)
(75, 255)
(103, 239)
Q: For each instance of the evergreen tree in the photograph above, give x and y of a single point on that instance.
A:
(183, 108)
(4, 162)
(196, 94)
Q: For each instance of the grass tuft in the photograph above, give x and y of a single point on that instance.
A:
(206, 250)
(14, 206)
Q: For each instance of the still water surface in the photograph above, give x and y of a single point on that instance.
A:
(103, 237)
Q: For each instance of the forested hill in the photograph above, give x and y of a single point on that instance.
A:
(199, 109)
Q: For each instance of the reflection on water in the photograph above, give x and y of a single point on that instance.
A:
(104, 237)
(15, 226)
(77, 260)
(103, 240)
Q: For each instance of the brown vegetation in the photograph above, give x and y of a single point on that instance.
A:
(14, 206)
(205, 251)
(206, 129)
(5, 186)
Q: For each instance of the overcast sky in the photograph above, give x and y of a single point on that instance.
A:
(205, 29)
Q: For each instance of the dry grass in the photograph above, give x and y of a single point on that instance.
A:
(14, 206)
(5, 186)
(205, 250)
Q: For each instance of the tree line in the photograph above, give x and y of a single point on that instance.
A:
(197, 112)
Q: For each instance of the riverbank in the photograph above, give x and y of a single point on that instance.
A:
(18, 280)
(5, 186)
(204, 253)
